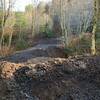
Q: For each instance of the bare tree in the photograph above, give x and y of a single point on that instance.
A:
(74, 16)
(7, 6)
(34, 17)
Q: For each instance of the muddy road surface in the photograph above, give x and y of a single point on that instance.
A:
(44, 73)
(44, 48)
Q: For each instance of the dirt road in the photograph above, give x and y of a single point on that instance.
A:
(44, 48)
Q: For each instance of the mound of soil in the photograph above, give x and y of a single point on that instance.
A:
(74, 78)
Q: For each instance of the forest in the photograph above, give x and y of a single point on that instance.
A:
(49, 49)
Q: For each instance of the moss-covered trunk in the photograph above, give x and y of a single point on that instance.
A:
(96, 14)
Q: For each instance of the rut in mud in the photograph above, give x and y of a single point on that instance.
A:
(49, 76)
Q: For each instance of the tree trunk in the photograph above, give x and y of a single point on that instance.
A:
(96, 13)
(2, 24)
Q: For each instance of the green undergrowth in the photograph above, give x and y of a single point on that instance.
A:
(21, 44)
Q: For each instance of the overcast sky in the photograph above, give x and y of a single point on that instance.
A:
(20, 4)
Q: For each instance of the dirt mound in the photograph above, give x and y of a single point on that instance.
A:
(75, 78)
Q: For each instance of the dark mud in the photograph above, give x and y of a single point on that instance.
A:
(44, 48)
(38, 75)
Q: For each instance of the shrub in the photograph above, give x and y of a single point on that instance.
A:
(5, 51)
(21, 44)
(79, 46)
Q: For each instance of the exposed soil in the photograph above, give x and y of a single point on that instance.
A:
(48, 75)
